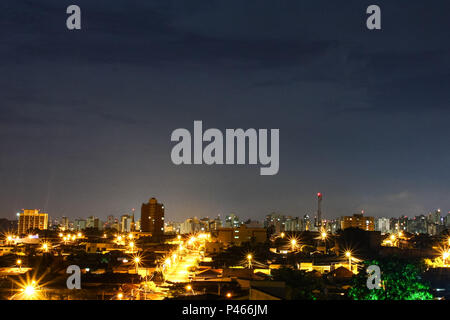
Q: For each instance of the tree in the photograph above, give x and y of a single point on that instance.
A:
(400, 281)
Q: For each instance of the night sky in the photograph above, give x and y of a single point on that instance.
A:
(86, 116)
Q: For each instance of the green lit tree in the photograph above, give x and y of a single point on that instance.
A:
(400, 281)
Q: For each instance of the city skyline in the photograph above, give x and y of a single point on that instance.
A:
(86, 116)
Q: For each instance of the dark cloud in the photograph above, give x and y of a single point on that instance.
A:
(362, 115)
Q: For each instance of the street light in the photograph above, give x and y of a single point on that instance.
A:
(131, 244)
(228, 295)
(293, 244)
(445, 256)
(120, 296)
(137, 260)
(348, 254)
(19, 263)
(249, 258)
(190, 288)
(282, 235)
(45, 247)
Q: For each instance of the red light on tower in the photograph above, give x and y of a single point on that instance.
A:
(319, 195)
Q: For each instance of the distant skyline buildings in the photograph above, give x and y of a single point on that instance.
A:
(432, 223)
(316, 208)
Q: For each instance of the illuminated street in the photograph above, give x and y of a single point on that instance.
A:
(179, 271)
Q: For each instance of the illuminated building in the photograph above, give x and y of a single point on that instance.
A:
(241, 234)
(93, 222)
(152, 218)
(125, 223)
(232, 221)
(80, 224)
(32, 219)
(383, 225)
(358, 221)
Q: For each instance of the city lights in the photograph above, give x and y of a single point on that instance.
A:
(45, 247)
(348, 254)
(29, 289)
(445, 256)
(249, 260)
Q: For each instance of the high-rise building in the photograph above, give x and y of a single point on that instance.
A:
(125, 223)
(152, 218)
(319, 211)
(358, 221)
(93, 222)
(32, 219)
(190, 225)
(293, 224)
(64, 223)
(383, 225)
(80, 224)
(216, 223)
(418, 224)
(275, 221)
(232, 221)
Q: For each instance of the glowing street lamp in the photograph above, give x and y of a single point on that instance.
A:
(293, 244)
(445, 256)
(228, 295)
(120, 296)
(249, 259)
(282, 235)
(136, 260)
(323, 235)
(190, 288)
(45, 247)
(19, 263)
(131, 244)
(348, 254)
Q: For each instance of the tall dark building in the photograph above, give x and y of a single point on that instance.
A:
(152, 218)
(319, 211)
